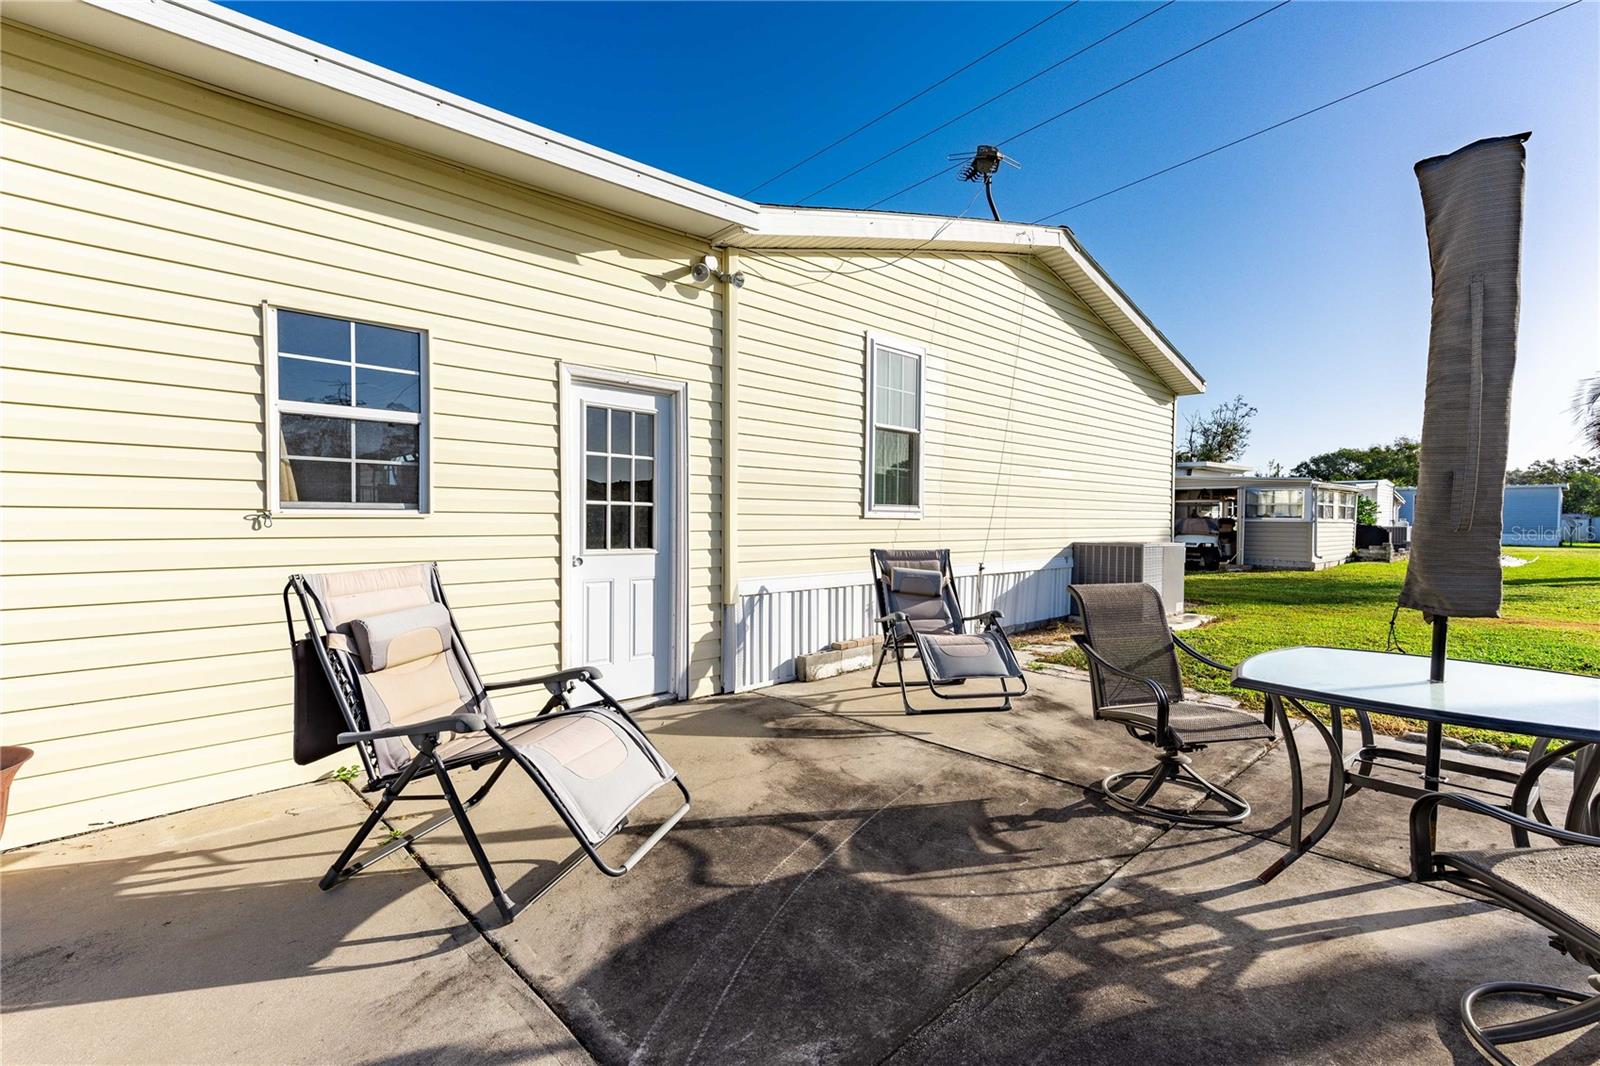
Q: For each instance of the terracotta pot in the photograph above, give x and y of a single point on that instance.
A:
(11, 760)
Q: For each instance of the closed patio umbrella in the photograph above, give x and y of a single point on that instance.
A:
(1472, 204)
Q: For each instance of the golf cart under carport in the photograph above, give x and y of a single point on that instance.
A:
(1206, 522)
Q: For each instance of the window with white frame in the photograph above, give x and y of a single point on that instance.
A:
(1275, 503)
(347, 413)
(894, 428)
(1335, 503)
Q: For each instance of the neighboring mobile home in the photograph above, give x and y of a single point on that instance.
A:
(1531, 517)
(1287, 523)
(1387, 498)
(270, 308)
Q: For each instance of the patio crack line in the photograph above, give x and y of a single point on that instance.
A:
(483, 932)
(1050, 923)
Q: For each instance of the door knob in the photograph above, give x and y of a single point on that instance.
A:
(577, 560)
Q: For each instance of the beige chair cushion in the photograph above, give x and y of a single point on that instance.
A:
(599, 765)
(353, 594)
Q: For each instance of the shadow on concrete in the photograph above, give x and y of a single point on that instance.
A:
(1183, 956)
(202, 937)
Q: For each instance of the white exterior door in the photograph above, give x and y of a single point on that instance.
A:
(621, 564)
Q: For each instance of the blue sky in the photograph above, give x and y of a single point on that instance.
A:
(1292, 269)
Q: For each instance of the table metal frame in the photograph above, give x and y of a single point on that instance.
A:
(1344, 780)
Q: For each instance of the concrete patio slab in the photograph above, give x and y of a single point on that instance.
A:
(851, 886)
(1051, 731)
(202, 937)
(832, 889)
(1182, 957)
(1373, 827)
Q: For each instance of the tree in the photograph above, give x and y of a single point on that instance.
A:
(1586, 405)
(1580, 473)
(1366, 511)
(1220, 436)
(1395, 462)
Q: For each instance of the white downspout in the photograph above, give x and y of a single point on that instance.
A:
(730, 460)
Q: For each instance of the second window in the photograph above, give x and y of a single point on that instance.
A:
(894, 427)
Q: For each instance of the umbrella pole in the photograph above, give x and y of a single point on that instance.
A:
(1441, 638)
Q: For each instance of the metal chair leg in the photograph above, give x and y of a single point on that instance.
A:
(1174, 769)
(508, 909)
(1580, 1011)
(342, 869)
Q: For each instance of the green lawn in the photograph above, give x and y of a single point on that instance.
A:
(1550, 618)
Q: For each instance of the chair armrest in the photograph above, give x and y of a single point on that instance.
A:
(891, 618)
(989, 617)
(1201, 656)
(460, 722)
(1422, 812)
(1162, 699)
(560, 677)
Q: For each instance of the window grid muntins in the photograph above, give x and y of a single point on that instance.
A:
(619, 459)
(349, 405)
(1331, 503)
(896, 428)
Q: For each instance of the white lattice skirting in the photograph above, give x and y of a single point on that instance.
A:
(776, 619)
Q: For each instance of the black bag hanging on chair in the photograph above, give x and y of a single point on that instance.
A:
(317, 718)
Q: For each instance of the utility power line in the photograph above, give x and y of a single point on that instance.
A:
(1102, 93)
(1005, 92)
(1308, 112)
(913, 98)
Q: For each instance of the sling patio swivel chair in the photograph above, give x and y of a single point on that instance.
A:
(1134, 681)
(1557, 887)
(383, 667)
(919, 613)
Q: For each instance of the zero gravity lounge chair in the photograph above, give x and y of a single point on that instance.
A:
(383, 659)
(1134, 681)
(919, 613)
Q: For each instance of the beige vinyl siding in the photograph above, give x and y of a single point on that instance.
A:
(146, 220)
(1041, 427)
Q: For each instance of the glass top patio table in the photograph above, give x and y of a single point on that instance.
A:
(1513, 699)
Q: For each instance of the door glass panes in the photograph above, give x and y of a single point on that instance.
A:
(619, 480)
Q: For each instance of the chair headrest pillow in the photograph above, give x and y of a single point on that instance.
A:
(399, 637)
(916, 582)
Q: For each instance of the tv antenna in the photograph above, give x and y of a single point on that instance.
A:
(984, 163)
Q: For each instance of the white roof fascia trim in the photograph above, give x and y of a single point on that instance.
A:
(190, 37)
